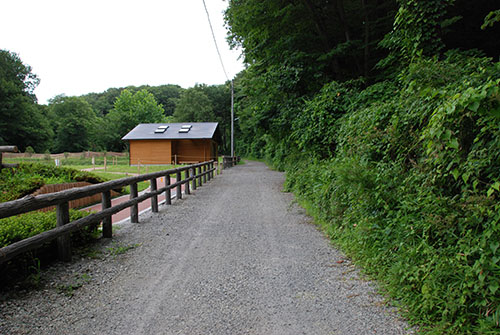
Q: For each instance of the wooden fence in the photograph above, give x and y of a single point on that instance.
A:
(4, 149)
(197, 174)
(230, 161)
(78, 203)
(83, 154)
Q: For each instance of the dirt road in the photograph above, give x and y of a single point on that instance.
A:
(236, 257)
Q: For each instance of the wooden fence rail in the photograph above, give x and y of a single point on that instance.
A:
(230, 161)
(7, 148)
(193, 173)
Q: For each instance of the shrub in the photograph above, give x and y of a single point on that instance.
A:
(29, 151)
(412, 191)
(17, 228)
(28, 177)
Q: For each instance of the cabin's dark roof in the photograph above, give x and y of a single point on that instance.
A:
(146, 131)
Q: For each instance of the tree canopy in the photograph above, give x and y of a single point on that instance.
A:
(203, 103)
(22, 123)
(74, 121)
(129, 110)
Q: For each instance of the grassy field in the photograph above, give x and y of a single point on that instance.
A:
(112, 176)
(70, 161)
(120, 164)
(116, 167)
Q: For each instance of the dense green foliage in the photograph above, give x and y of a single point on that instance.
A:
(73, 121)
(400, 163)
(129, 110)
(203, 103)
(22, 122)
(412, 190)
(165, 95)
(28, 177)
(19, 227)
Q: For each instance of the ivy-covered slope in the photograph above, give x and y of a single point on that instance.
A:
(385, 116)
(412, 184)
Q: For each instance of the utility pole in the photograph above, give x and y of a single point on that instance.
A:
(232, 118)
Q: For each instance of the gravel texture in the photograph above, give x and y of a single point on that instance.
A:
(235, 257)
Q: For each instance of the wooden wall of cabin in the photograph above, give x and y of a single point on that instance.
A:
(169, 151)
(150, 152)
(192, 151)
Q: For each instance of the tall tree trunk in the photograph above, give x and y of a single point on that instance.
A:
(322, 32)
(367, 37)
(339, 4)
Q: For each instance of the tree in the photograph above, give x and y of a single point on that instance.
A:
(166, 95)
(194, 106)
(22, 123)
(328, 40)
(129, 110)
(74, 121)
(204, 103)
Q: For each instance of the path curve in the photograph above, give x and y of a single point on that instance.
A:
(236, 257)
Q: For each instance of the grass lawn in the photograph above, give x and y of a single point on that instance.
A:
(121, 170)
(142, 169)
(112, 176)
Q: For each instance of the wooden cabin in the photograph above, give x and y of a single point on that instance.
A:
(172, 143)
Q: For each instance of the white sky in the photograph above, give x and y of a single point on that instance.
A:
(81, 46)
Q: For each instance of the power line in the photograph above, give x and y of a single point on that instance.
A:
(215, 41)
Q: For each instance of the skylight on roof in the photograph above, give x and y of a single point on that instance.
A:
(186, 126)
(184, 130)
(161, 129)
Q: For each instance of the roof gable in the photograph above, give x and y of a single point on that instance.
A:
(172, 131)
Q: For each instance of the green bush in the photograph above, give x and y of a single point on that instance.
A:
(28, 177)
(17, 228)
(29, 150)
(412, 191)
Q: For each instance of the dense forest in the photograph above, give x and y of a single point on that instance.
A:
(98, 121)
(385, 116)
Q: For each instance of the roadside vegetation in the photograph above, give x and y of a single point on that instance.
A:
(23, 180)
(28, 177)
(386, 119)
(18, 182)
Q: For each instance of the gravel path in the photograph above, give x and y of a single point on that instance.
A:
(236, 257)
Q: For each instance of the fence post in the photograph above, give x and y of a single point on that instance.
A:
(200, 178)
(192, 173)
(204, 174)
(168, 193)
(63, 242)
(107, 230)
(134, 210)
(154, 198)
(186, 177)
(208, 172)
(212, 173)
(178, 191)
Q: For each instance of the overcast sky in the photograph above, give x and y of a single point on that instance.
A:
(82, 46)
